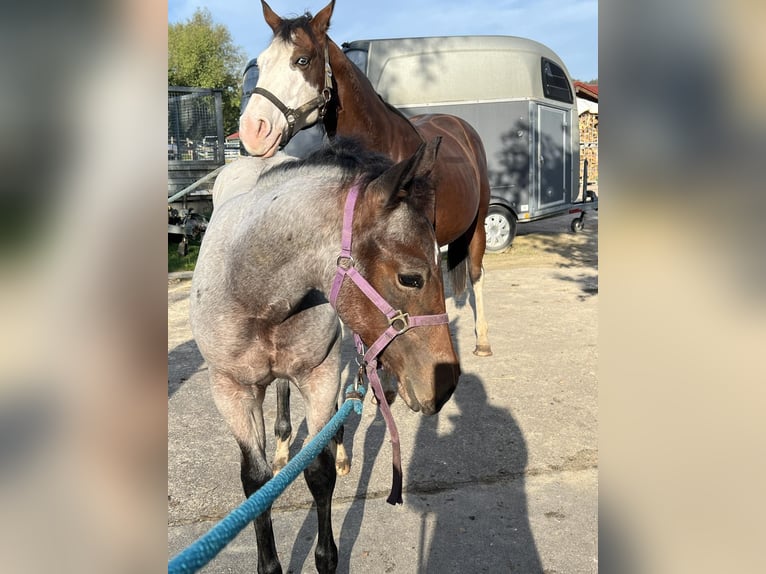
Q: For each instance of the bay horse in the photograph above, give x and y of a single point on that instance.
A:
(259, 310)
(304, 78)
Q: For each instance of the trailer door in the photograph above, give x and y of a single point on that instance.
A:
(554, 156)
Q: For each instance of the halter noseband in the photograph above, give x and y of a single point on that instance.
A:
(398, 323)
(297, 119)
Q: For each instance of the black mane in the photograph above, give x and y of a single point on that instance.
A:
(350, 155)
(357, 163)
(346, 153)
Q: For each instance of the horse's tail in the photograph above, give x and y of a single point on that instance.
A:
(457, 265)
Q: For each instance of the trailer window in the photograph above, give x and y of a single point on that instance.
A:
(555, 82)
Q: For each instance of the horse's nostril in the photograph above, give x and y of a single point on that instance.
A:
(263, 128)
(254, 130)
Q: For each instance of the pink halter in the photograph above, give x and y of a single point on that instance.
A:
(398, 322)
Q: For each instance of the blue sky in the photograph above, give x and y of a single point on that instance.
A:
(568, 27)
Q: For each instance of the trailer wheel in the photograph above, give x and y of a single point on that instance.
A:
(577, 224)
(500, 228)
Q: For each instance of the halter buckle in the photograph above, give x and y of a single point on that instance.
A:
(402, 319)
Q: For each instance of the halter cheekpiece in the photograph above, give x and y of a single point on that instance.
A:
(399, 322)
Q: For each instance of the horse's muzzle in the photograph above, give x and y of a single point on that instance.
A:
(446, 378)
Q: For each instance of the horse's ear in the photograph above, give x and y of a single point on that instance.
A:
(400, 182)
(426, 163)
(271, 17)
(321, 22)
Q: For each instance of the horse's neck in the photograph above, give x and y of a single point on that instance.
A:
(363, 114)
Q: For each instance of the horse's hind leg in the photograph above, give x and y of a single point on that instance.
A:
(342, 463)
(242, 408)
(483, 348)
(464, 257)
(283, 429)
(476, 249)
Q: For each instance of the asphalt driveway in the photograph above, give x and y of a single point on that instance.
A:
(504, 479)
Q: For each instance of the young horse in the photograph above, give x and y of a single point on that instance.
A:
(240, 177)
(304, 77)
(259, 302)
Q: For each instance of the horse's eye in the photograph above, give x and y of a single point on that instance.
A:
(303, 61)
(411, 280)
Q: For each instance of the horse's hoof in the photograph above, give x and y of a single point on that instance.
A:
(483, 351)
(390, 396)
(342, 467)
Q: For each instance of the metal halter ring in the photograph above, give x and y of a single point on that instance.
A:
(403, 319)
(347, 259)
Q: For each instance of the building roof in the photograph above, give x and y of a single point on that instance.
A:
(586, 91)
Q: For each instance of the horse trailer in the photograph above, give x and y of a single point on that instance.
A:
(515, 92)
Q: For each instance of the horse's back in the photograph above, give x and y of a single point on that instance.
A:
(461, 173)
(242, 175)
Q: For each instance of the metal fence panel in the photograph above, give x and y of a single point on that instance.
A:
(195, 125)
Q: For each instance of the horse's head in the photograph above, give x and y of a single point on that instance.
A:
(294, 82)
(394, 248)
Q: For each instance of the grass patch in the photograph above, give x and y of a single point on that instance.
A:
(177, 262)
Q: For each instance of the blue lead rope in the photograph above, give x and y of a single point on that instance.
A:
(207, 547)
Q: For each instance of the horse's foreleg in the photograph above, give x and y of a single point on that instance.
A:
(242, 408)
(255, 472)
(283, 429)
(320, 394)
(320, 478)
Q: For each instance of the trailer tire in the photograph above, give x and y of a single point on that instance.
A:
(577, 224)
(500, 228)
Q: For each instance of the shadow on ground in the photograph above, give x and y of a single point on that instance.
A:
(183, 361)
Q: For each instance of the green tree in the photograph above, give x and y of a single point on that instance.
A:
(202, 54)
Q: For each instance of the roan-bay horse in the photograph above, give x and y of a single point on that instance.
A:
(259, 301)
(240, 177)
(304, 77)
